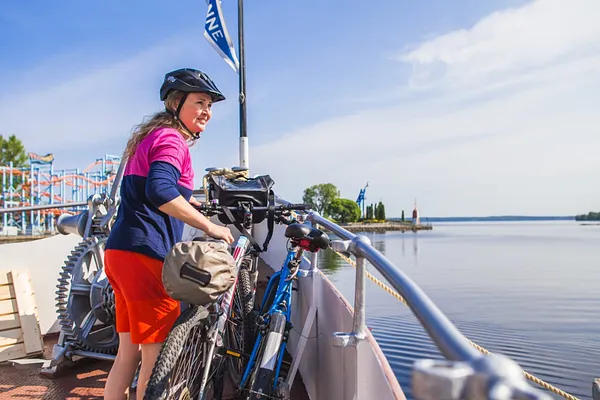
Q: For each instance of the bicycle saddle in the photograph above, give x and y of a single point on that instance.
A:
(315, 237)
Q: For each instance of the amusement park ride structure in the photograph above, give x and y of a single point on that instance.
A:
(40, 185)
(360, 200)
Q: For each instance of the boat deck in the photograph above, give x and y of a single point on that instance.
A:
(83, 381)
(86, 379)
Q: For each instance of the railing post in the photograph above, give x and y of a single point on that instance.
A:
(359, 325)
(355, 338)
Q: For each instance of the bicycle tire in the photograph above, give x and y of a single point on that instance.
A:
(170, 352)
(245, 294)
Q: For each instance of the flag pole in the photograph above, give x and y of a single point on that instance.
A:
(244, 163)
(216, 34)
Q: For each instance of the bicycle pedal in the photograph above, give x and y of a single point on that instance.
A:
(225, 351)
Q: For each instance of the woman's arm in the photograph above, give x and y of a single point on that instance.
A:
(162, 192)
(181, 209)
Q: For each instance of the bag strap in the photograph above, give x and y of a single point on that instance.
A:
(270, 219)
(242, 230)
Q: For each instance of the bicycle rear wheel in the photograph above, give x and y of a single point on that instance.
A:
(179, 366)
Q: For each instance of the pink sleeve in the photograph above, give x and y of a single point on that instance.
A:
(168, 147)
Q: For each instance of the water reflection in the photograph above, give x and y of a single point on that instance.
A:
(415, 245)
(379, 244)
(329, 262)
(525, 290)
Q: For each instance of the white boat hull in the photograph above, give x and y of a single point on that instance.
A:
(330, 372)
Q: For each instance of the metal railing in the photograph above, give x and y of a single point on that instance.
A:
(467, 374)
(43, 207)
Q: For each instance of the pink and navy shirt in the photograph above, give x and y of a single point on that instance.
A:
(159, 171)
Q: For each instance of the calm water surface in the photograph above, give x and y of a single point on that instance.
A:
(529, 290)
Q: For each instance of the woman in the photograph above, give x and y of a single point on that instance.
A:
(156, 193)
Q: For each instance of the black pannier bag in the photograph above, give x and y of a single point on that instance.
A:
(257, 191)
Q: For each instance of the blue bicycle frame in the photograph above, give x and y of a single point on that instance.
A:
(282, 303)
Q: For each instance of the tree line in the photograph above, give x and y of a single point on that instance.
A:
(326, 200)
(376, 211)
(12, 149)
(591, 216)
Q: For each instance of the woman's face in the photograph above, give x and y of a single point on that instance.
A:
(196, 111)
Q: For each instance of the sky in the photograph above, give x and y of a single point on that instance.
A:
(473, 108)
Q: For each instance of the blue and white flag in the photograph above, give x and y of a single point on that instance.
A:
(216, 34)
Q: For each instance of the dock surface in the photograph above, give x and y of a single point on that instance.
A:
(85, 380)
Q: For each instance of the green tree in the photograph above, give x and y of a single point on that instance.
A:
(344, 210)
(12, 149)
(591, 216)
(369, 212)
(320, 197)
(402, 219)
(380, 211)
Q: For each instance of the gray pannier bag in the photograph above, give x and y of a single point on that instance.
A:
(199, 271)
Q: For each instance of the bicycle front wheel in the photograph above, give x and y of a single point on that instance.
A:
(179, 366)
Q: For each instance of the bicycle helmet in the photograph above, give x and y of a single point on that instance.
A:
(188, 80)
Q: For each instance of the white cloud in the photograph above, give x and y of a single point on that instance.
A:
(511, 124)
(509, 44)
(99, 103)
(88, 108)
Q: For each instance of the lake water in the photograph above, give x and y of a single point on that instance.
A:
(529, 290)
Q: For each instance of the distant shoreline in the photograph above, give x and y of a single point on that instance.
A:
(507, 218)
(386, 226)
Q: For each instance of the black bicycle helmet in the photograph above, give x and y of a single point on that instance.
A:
(190, 80)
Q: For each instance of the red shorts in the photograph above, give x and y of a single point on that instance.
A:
(143, 307)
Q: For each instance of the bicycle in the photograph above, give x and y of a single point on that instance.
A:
(261, 377)
(204, 339)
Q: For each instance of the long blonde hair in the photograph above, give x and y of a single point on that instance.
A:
(159, 119)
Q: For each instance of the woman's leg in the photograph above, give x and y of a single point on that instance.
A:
(128, 356)
(149, 354)
(148, 312)
(123, 369)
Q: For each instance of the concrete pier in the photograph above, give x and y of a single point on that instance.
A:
(386, 226)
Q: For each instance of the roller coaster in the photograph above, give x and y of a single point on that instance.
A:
(40, 185)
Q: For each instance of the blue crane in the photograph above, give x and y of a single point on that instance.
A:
(361, 199)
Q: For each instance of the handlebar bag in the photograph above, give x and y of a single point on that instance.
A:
(255, 191)
(199, 271)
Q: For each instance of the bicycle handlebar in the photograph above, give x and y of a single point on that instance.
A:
(219, 208)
